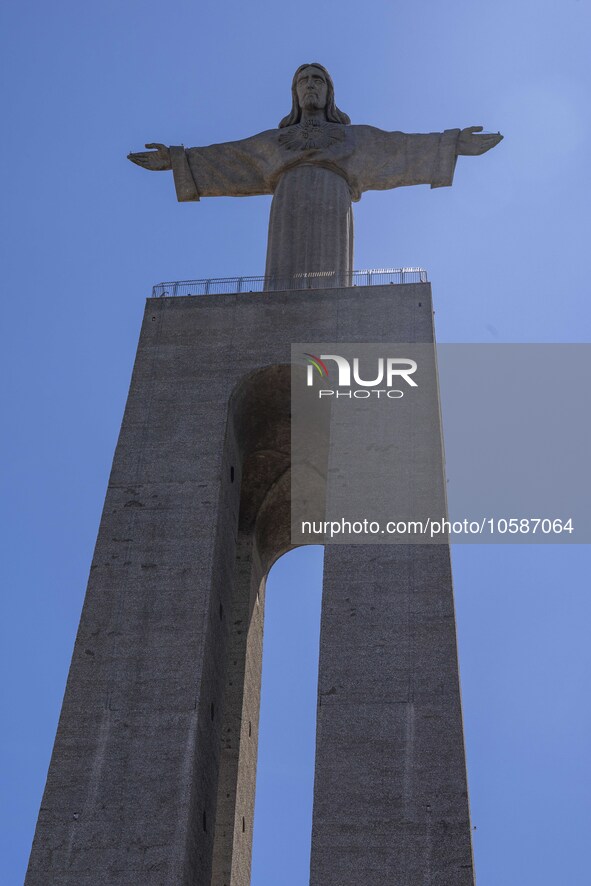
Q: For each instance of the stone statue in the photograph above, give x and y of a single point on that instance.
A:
(315, 163)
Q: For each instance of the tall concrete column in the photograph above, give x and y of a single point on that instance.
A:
(390, 795)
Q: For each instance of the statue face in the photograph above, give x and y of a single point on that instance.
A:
(312, 89)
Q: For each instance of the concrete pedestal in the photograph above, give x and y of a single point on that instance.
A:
(153, 770)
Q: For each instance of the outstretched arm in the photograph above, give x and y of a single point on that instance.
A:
(156, 160)
(472, 144)
(384, 160)
(231, 169)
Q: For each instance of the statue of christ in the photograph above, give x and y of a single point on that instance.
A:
(315, 164)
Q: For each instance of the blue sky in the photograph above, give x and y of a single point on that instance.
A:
(86, 234)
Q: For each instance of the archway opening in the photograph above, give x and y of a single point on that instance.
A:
(287, 723)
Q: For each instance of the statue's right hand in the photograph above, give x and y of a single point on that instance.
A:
(156, 160)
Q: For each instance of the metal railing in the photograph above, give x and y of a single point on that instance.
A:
(315, 280)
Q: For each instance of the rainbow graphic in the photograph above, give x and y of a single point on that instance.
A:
(318, 365)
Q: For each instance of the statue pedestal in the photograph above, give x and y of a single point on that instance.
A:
(153, 770)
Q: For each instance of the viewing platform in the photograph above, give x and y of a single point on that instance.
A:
(315, 280)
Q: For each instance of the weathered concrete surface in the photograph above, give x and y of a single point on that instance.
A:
(152, 775)
(390, 797)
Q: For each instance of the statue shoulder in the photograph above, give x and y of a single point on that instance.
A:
(374, 132)
(251, 142)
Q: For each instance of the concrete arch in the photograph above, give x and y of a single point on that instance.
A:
(259, 421)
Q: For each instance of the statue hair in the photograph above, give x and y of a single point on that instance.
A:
(333, 114)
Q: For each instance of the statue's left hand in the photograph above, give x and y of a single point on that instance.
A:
(155, 160)
(470, 143)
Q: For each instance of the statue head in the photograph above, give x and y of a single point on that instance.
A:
(313, 84)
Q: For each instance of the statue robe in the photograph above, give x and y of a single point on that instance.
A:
(314, 170)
